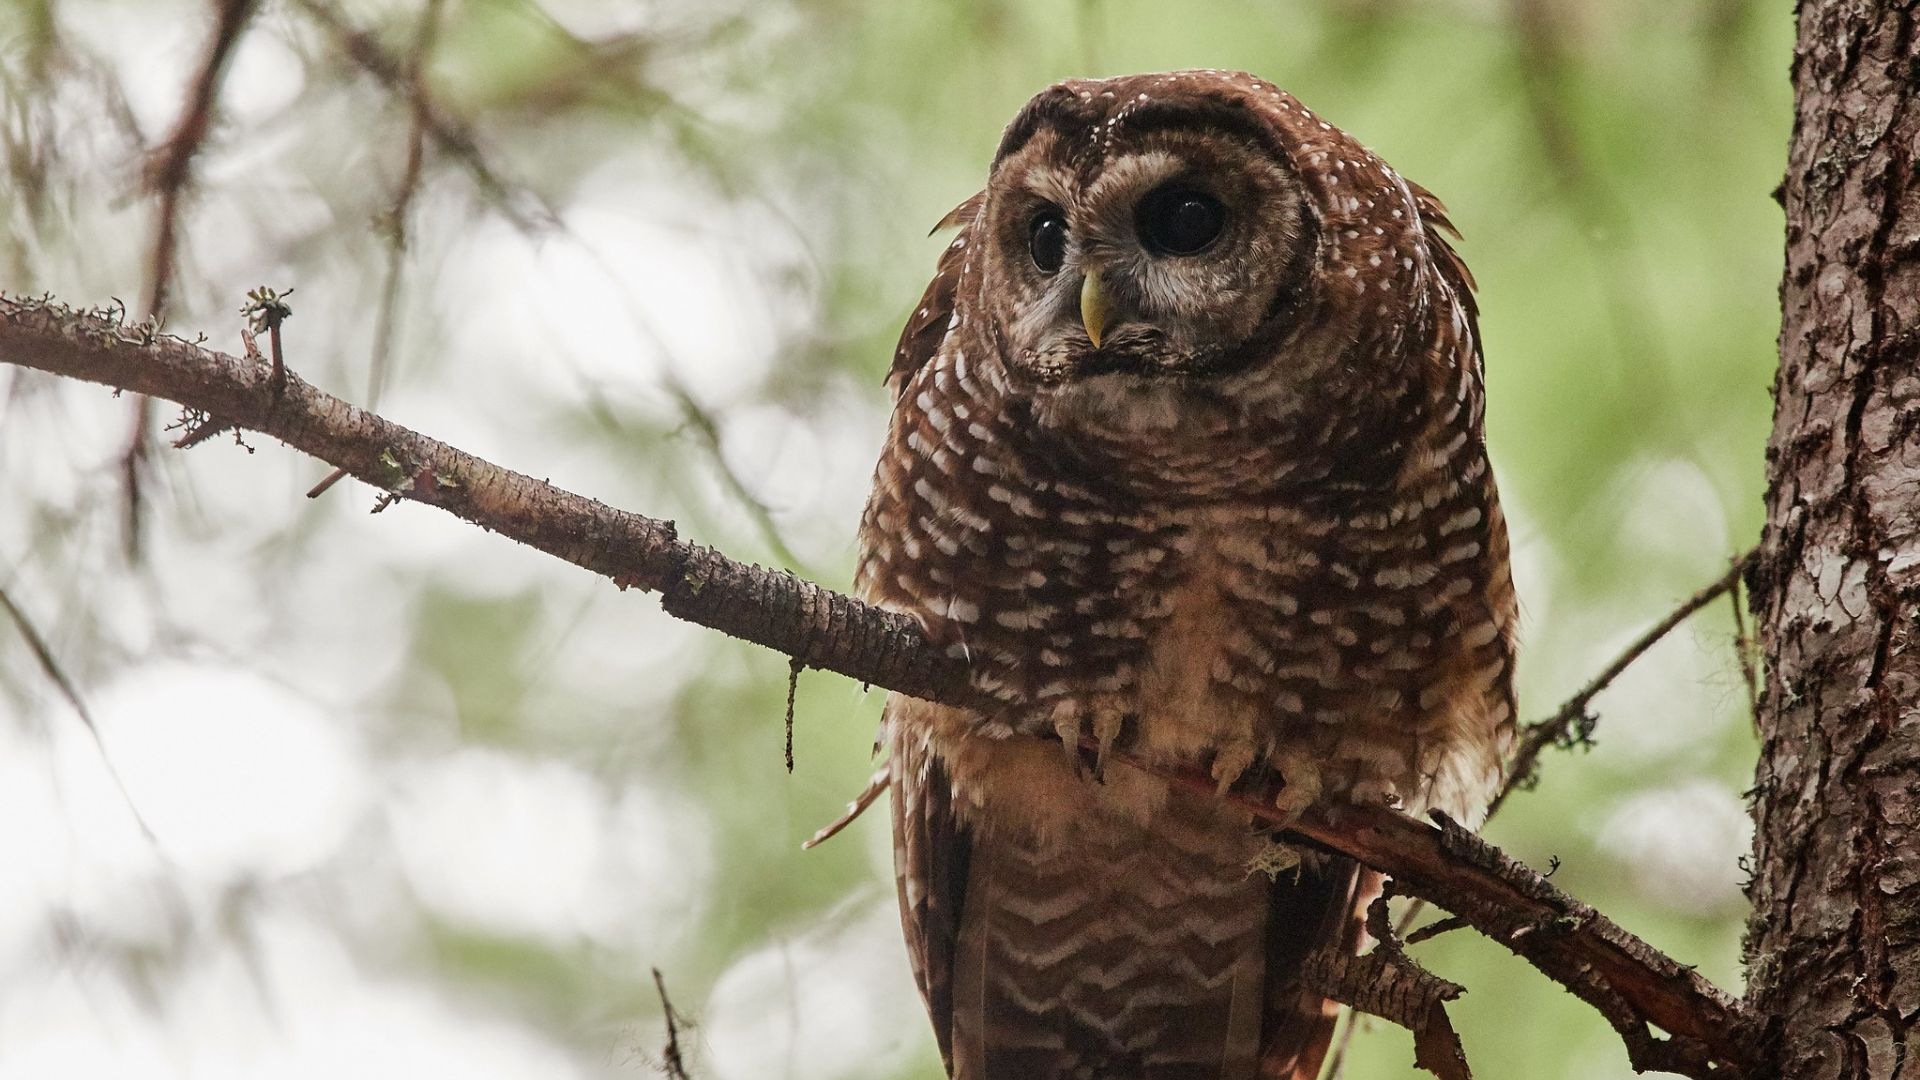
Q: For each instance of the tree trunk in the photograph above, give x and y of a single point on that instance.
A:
(1834, 946)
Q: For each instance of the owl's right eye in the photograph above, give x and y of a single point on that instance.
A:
(1047, 240)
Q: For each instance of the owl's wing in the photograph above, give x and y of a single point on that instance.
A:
(927, 326)
(1433, 215)
(930, 866)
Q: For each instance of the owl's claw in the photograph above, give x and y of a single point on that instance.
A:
(1230, 764)
(1301, 788)
(1108, 719)
(1070, 722)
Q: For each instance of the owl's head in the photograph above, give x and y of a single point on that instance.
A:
(1155, 238)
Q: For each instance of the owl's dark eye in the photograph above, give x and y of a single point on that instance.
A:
(1047, 240)
(1179, 221)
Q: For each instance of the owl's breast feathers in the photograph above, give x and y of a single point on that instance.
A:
(1320, 590)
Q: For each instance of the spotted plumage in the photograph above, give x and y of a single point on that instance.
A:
(1187, 456)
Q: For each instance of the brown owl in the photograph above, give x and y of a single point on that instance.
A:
(1186, 457)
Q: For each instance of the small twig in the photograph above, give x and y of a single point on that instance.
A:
(876, 787)
(196, 427)
(701, 421)
(1435, 929)
(326, 482)
(673, 1064)
(1572, 724)
(266, 309)
(794, 668)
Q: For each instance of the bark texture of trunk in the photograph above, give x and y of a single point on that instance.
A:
(1834, 946)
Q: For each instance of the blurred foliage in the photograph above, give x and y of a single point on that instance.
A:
(681, 285)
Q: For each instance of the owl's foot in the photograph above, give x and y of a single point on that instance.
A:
(1301, 787)
(1100, 717)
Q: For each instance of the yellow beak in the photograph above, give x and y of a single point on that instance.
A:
(1093, 307)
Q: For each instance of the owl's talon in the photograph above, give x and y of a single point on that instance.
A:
(1301, 788)
(1068, 722)
(1070, 718)
(1076, 762)
(1108, 719)
(1229, 765)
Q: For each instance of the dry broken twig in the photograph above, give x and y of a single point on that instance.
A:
(1388, 983)
(1633, 985)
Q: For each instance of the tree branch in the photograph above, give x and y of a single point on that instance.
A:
(1633, 985)
(1572, 722)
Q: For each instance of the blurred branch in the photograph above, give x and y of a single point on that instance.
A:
(171, 168)
(396, 220)
(1545, 73)
(1634, 986)
(57, 675)
(169, 173)
(448, 132)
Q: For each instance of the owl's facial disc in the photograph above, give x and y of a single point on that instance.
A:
(1157, 248)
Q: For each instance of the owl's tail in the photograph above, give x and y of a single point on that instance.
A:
(1322, 904)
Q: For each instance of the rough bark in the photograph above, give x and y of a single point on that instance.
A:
(1834, 945)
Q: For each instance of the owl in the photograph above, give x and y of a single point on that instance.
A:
(1186, 458)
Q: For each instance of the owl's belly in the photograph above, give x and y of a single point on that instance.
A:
(1264, 654)
(1223, 639)
(1187, 712)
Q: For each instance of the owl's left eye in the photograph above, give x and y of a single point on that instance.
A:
(1179, 221)
(1047, 240)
